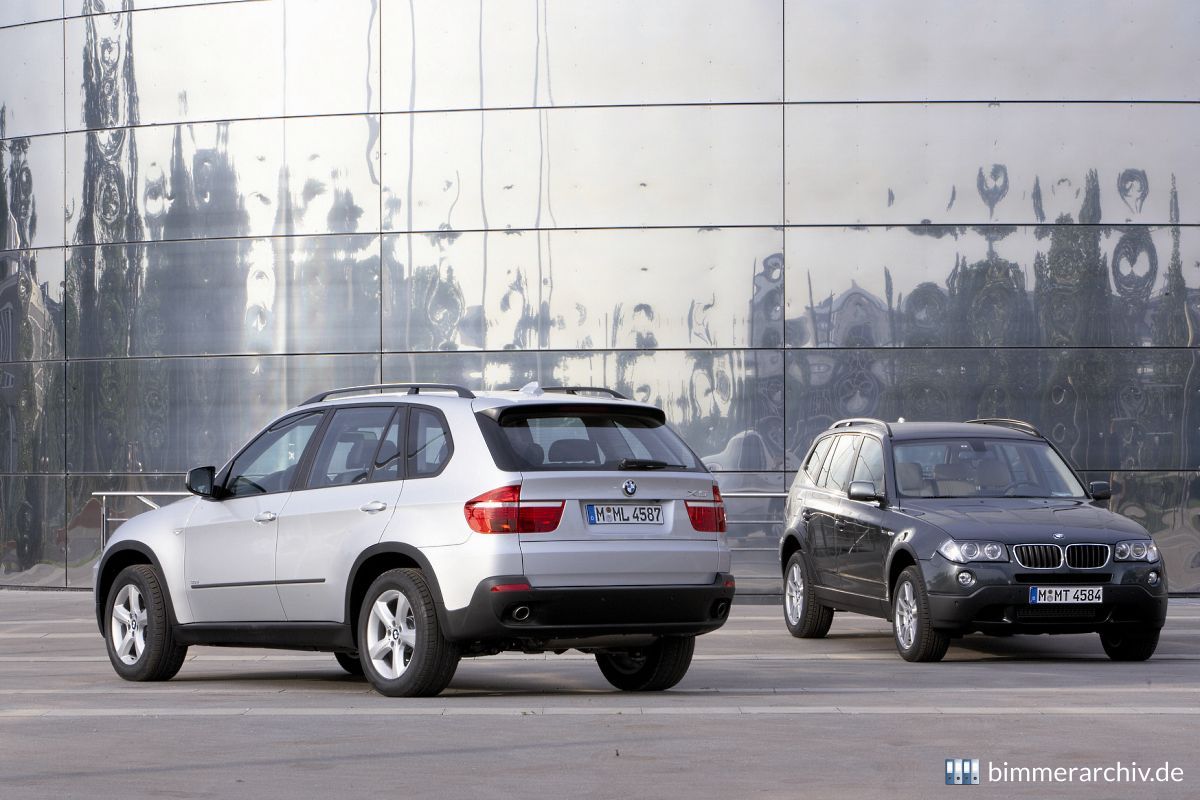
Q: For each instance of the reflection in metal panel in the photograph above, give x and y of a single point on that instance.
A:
(259, 200)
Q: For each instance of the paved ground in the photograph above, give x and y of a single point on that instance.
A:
(759, 715)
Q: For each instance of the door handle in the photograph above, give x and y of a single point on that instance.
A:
(373, 507)
(264, 517)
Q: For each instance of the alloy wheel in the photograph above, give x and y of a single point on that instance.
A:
(391, 634)
(793, 598)
(906, 616)
(128, 624)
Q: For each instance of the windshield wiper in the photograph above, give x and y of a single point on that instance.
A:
(645, 463)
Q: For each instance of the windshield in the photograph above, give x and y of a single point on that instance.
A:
(982, 468)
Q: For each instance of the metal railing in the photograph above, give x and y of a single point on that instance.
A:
(142, 496)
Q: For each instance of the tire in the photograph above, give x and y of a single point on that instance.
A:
(649, 669)
(1129, 645)
(404, 652)
(137, 627)
(350, 662)
(915, 637)
(804, 616)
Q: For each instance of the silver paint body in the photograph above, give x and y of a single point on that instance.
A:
(317, 534)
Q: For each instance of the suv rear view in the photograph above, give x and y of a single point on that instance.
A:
(405, 531)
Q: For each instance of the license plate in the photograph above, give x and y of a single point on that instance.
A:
(1066, 594)
(623, 514)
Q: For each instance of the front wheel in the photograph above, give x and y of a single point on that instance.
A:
(405, 653)
(1129, 646)
(803, 614)
(649, 669)
(137, 628)
(916, 638)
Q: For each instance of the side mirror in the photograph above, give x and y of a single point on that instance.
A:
(1100, 490)
(201, 481)
(865, 491)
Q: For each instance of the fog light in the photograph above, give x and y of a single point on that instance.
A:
(1152, 578)
(966, 579)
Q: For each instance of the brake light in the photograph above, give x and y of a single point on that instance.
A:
(502, 511)
(707, 516)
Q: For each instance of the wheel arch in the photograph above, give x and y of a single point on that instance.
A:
(898, 560)
(378, 559)
(790, 543)
(127, 554)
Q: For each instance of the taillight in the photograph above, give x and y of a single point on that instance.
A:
(503, 511)
(707, 516)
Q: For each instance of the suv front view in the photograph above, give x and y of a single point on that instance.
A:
(405, 529)
(950, 528)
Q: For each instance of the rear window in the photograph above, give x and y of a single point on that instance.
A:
(551, 438)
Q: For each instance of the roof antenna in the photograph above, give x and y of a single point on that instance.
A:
(532, 388)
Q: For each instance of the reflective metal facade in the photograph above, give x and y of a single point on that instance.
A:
(761, 215)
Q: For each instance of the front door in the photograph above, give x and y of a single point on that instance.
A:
(864, 544)
(229, 544)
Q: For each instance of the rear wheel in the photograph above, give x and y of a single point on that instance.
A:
(349, 662)
(404, 651)
(804, 615)
(137, 627)
(649, 669)
(1129, 645)
(916, 638)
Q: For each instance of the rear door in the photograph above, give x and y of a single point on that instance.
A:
(630, 489)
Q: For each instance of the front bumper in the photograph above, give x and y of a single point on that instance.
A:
(999, 602)
(581, 612)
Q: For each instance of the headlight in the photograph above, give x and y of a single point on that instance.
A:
(962, 552)
(1136, 550)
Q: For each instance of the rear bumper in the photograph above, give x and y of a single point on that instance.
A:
(581, 612)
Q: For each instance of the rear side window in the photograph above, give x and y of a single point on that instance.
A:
(429, 445)
(349, 446)
(554, 438)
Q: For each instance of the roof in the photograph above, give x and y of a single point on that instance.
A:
(955, 430)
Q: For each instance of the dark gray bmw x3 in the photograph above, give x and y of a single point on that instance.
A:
(948, 528)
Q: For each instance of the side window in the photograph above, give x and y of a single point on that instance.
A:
(387, 460)
(428, 443)
(841, 461)
(812, 467)
(349, 446)
(870, 463)
(269, 463)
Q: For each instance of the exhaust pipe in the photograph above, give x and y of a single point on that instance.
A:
(520, 613)
(722, 608)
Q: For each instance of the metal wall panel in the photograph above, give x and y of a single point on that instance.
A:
(568, 289)
(978, 50)
(82, 7)
(83, 527)
(282, 295)
(32, 417)
(196, 181)
(19, 12)
(214, 62)
(992, 286)
(31, 305)
(583, 167)
(461, 54)
(1113, 408)
(332, 56)
(172, 414)
(31, 94)
(32, 540)
(976, 163)
(709, 395)
(32, 206)
(1168, 505)
(332, 175)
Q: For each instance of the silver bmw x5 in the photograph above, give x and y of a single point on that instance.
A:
(405, 526)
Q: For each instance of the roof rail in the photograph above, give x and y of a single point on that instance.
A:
(1014, 424)
(852, 421)
(413, 388)
(578, 389)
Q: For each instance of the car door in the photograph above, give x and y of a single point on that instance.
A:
(864, 543)
(346, 501)
(824, 509)
(229, 543)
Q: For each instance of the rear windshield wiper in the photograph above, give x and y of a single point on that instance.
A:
(646, 463)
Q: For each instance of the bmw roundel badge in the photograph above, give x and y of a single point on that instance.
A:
(629, 488)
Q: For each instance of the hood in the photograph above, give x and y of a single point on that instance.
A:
(1023, 521)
